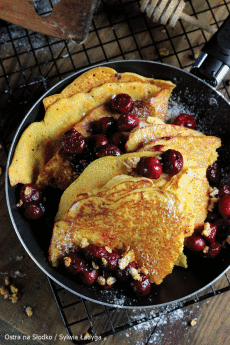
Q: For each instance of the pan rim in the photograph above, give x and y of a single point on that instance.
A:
(55, 275)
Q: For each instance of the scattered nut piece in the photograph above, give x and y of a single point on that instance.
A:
(4, 292)
(27, 190)
(211, 205)
(15, 297)
(13, 289)
(109, 250)
(228, 239)
(96, 267)
(101, 280)
(104, 261)
(134, 273)
(193, 322)
(84, 243)
(110, 280)
(126, 259)
(67, 261)
(20, 203)
(207, 230)
(213, 192)
(131, 163)
(29, 311)
(205, 250)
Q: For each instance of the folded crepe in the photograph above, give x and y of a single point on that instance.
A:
(129, 213)
(41, 140)
(100, 75)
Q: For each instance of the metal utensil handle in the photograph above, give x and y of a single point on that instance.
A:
(214, 61)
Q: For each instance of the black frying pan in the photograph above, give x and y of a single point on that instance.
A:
(212, 112)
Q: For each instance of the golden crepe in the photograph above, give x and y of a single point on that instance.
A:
(100, 75)
(152, 222)
(41, 140)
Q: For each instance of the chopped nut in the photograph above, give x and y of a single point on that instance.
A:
(15, 297)
(101, 280)
(215, 200)
(126, 259)
(109, 250)
(228, 239)
(134, 273)
(67, 261)
(104, 261)
(27, 190)
(20, 203)
(205, 250)
(213, 192)
(110, 280)
(13, 289)
(84, 243)
(131, 163)
(193, 322)
(96, 267)
(7, 281)
(29, 311)
(4, 292)
(207, 230)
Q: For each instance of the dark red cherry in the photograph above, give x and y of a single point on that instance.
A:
(119, 139)
(74, 263)
(127, 122)
(73, 142)
(212, 236)
(195, 243)
(34, 210)
(141, 287)
(223, 189)
(122, 103)
(97, 141)
(112, 261)
(185, 120)
(106, 125)
(94, 252)
(213, 250)
(124, 274)
(88, 275)
(109, 150)
(30, 192)
(213, 173)
(223, 229)
(172, 162)
(149, 167)
(224, 206)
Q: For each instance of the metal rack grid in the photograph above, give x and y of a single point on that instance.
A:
(31, 63)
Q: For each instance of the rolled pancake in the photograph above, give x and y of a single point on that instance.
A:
(41, 140)
(152, 222)
(100, 75)
(145, 135)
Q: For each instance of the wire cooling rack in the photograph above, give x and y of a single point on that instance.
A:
(31, 63)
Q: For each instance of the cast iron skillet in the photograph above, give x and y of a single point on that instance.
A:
(211, 110)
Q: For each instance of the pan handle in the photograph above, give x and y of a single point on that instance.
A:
(214, 61)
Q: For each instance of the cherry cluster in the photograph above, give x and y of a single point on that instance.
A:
(84, 260)
(31, 197)
(107, 135)
(219, 222)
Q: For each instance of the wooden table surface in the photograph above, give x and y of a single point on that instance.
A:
(117, 37)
